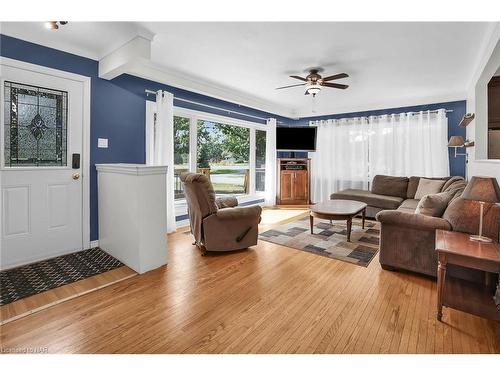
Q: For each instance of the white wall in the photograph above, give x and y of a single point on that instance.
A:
(488, 63)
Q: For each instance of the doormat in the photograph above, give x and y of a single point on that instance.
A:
(24, 281)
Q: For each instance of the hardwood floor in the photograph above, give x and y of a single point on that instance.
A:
(270, 299)
(29, 305)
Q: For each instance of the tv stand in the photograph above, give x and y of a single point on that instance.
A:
(293, 181)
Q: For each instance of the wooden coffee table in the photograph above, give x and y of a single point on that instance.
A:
(338, 209)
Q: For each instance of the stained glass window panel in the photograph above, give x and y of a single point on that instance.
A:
(35, 126)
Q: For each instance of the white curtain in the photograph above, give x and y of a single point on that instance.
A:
(341, 159)
(270, 179)
(409, 144)
(350, 152)
(163, 148)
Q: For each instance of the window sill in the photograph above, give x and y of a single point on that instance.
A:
(181, 210)
(242, 198)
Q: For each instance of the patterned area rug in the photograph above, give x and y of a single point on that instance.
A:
(25, 281)
(329, 240)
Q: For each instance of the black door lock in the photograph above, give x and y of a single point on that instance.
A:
(75, 162)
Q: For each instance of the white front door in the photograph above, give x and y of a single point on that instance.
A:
(41, 194)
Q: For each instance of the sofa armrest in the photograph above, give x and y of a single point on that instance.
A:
(417, 221)
(239, 213)
(224, 202)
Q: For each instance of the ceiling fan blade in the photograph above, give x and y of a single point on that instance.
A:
(285, 87)
(336, 76)
(297, 77)
(335, 85)
(306, 93)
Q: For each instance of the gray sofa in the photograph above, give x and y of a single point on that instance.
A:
(395, 193)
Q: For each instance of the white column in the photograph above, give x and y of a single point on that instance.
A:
(271, 162)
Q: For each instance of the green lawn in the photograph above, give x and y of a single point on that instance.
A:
(228, 188)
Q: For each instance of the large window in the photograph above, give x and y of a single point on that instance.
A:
(232, 153)
(181, 151)
(223, 154)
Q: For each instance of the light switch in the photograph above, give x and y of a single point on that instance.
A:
(102, 142)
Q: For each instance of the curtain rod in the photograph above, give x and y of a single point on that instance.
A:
(389, 114)
(212, 107)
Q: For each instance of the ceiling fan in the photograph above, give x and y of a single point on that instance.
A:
(314, 82)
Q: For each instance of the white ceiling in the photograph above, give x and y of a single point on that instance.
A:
(390, 64)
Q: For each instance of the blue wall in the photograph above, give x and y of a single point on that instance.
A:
(118, 110)
(457, 165)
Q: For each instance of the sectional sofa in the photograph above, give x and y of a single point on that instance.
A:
(407, 239)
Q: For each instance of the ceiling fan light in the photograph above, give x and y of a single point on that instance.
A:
(52, 25)
(313, 89)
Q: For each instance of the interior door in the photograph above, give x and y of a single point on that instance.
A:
(41, 194)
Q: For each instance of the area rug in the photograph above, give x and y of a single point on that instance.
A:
(329, 240)
(31, 279)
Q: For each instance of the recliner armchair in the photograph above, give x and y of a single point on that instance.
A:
(217, 224)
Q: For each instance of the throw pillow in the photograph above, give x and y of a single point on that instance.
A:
(434, 204)
(426, 186)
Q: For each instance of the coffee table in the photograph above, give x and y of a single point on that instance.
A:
(338, 209)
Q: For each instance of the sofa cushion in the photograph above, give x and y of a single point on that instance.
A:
(434, 204)
(427, 186)
(374, 200)
(413, 184)
(452, 181)
(456, 187)
(390, 185)
(409, 205)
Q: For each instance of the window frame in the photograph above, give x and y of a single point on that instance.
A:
(194, 116)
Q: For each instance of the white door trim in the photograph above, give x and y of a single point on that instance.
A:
(85, 159)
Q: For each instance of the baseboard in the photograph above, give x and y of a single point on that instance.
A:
(94, 244)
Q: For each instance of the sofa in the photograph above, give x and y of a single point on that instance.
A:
(217, 224)
(407, 239)
(395, 193)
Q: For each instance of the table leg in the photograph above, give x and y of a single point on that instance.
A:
(311, 221)
(441, 275)
(363, 215)
(349, 225)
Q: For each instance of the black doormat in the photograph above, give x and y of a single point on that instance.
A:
(31, 279)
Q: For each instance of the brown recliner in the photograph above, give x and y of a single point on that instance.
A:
(217, 224)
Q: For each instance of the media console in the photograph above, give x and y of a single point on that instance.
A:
(293, 182)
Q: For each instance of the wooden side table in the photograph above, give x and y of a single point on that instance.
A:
(457, 248)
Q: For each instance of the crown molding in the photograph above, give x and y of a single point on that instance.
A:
(381, 105)
(146, 69)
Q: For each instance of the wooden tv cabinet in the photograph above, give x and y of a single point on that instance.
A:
(293, 182)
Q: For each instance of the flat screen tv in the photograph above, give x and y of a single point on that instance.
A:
(296, 138)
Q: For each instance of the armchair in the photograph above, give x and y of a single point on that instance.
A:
(217, 224)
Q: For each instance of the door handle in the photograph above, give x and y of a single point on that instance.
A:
(76, 176)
